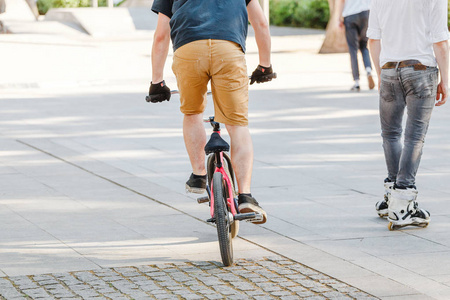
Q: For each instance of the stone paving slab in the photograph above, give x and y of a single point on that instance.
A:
(270, 278)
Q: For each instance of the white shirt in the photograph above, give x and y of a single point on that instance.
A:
(353, 7)
(408, 28)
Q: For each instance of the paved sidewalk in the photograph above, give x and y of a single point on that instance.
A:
(273, 278)
(92, 177)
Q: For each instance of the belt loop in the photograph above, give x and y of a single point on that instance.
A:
(396, 66)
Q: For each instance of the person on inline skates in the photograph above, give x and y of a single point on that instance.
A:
(208, 40)
(403, 35)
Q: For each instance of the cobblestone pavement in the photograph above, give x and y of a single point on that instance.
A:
(270, 278)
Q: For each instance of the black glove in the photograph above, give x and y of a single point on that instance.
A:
(262, 74)
(158, 92)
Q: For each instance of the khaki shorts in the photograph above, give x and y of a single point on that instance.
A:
(222, 62)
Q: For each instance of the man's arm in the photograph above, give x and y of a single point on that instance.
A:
(160, 48)
(158, 90)
(375, 50)
(262, 33)
(339, 9)
(441, 52)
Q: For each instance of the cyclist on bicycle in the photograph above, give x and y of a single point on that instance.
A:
(208, 40)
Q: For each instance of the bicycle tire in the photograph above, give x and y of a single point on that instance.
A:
(222, 220)
(230, 172)
(210, 167)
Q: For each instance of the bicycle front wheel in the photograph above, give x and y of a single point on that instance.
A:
(210, 167)
(229, 170)
(223, 222)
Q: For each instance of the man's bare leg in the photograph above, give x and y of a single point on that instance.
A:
(195, 141)
(241, 156)
(242, 160)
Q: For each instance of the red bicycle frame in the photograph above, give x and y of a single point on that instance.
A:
(230, 198)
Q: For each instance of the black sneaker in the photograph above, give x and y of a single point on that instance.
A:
(196, 184)
(249, 204)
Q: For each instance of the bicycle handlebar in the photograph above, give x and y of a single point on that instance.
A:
(177, 92)
(154, 98)
(211, 119)
(272, 76)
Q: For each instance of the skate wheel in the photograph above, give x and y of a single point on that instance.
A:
(391, 226)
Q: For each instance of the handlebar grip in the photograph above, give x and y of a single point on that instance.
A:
(271, 76)
(156, 98)
(208, 119)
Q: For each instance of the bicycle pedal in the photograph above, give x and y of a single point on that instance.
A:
(202, 200)
(211, 220)
(245, 216)
(258, 218)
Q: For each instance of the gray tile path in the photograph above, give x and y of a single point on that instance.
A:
(92, 177)
(269, 278)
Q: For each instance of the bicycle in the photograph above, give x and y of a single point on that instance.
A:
(222, 193)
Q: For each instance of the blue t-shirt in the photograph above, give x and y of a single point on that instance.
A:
(193, 20)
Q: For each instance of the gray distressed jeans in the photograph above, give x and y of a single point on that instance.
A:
(416, 91)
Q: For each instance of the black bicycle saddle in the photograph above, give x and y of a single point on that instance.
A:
(216, 144)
